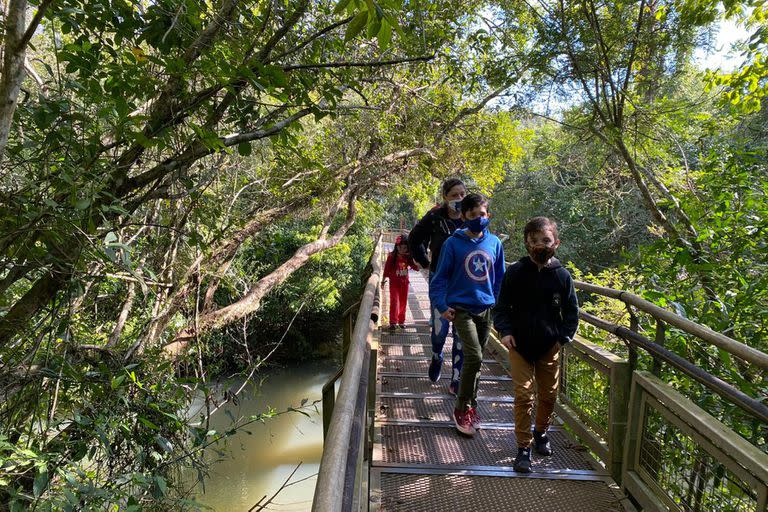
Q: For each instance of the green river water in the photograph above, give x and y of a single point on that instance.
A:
(257, 464)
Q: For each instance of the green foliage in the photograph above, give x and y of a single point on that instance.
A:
(745, 88)
(724, 196)
(114, 410)
(574, 183)
(729, 208)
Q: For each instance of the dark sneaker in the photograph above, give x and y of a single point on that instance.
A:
(402, 326)
(435, 366)
(463, 422)
(474, 418)
(541, 443)
(453, 387)
(392, 327)
(522, 462)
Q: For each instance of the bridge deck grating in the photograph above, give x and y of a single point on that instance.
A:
(420, 367)
(439, 409)
(424, 492)
(422, 385)
(408, 337)
(414, 444)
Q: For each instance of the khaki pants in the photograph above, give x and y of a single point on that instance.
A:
(473, 331)
(546, 373)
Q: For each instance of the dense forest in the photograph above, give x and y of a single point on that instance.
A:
(188, 190)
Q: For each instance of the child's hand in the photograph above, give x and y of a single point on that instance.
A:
(449, 314)
(509, 342)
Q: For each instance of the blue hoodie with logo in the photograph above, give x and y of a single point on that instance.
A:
(469, 272)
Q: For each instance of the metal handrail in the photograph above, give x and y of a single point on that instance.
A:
(722, 388)
(744, 352)
(736, 348)
(329, 490)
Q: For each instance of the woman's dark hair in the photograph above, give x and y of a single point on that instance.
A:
(538, 224)
(449, 184)
(471, 201)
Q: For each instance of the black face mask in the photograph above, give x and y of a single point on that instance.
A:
(541, 255)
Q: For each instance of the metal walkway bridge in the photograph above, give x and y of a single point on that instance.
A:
(623, 439)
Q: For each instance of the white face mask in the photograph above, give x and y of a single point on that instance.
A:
(455, 205)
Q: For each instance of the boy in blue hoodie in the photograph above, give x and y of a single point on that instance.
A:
(537, 312)
(464, 290)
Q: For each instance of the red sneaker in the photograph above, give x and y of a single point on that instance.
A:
(463, 422)
(474, 418)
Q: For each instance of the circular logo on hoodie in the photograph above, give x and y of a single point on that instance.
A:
(477, 265)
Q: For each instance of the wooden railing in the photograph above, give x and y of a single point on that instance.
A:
(341, 480)
(679, 457)
(597, 412)
(661, 315)
(666, 451)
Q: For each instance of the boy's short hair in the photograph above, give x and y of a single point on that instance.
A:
(471, 201)
(449, 183)
(538, 224)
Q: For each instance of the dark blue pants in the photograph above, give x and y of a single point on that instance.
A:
(439, 327)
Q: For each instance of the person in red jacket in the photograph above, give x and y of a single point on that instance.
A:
(396, 270)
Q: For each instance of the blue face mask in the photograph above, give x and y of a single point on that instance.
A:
(454, 205)
(478, 224)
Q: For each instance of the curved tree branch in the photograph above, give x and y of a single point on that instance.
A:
(252, 300)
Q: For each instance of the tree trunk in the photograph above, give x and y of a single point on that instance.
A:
(224, 252)
(123, 316)
(14, 53)
(37, 297)
(648, 199)
(213, 285)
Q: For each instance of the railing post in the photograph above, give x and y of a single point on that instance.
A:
(660, 337)
(346, 336)
(347, 327)
(633, 326)
(630, 483)
(618, 410)
(329, 400)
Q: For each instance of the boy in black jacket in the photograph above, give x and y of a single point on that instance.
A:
(537, 312)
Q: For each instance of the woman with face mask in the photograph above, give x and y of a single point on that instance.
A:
(430, 233)
(464, 290)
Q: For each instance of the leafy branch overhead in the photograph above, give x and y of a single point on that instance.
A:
(156, 156)
(153, 94)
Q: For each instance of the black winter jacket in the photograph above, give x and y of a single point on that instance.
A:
(538, 307)
(431, 231)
